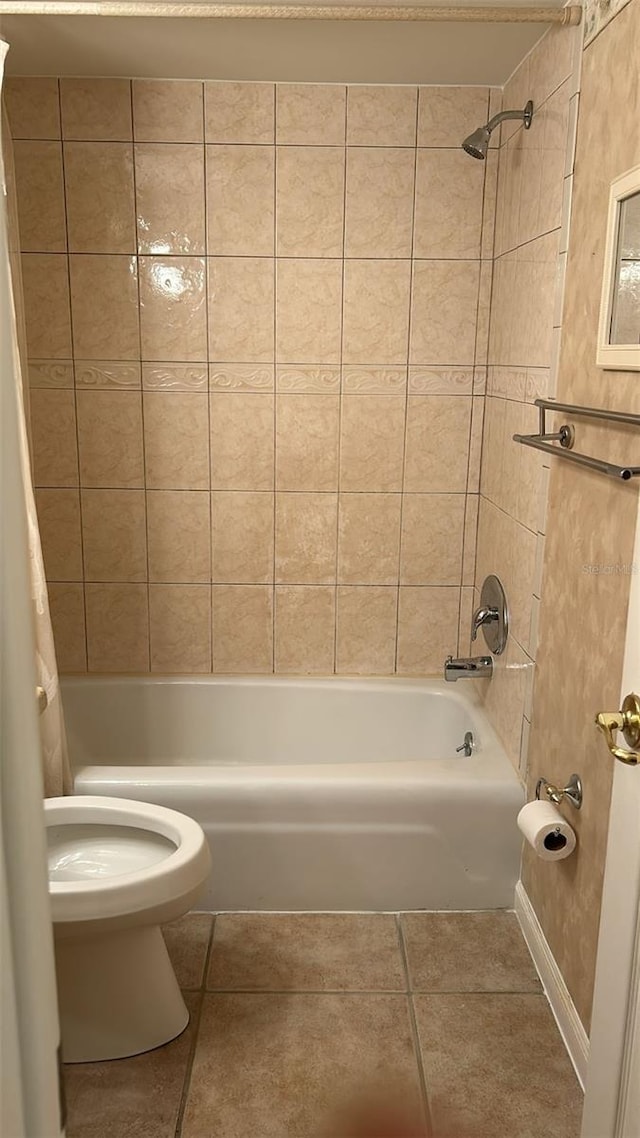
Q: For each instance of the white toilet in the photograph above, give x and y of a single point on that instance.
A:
(118, 870)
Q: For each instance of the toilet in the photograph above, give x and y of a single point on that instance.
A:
(119, 869)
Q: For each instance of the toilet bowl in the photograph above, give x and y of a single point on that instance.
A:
(118, 870)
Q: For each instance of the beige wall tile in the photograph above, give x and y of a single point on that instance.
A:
(309, 201)
(59, 526)
(50, 373)
(66, 606)
(446, 115)
(306, 537)
(166, 111)
(104, 304)
(107, 373)
(437, 444)
(308, 311)
(443, 318)
(379, 203)
(45, 282)
(173, 310)
(32, 106)
(180, 628)
(475, 444)
(179, 536)
(432, 534)
(241, 378)
(100, 197)
(240, 193)
(40, 196)
(242, 537)
(307, 442)
(242, 441)
(243, 628)
(304, 629)
(441, 381)
(175, 377)
(366, 630)
(53, 434)
(170, 198)
(176, 440)
(376, 312)
(374, 380)
(372, 442)
(239, 112)
(117, 628)
(96, 109)
(114, 536)
(310, 114)
(448, 204)
(427, 628)
(368, 539)
(322, 380)
(381, 116)
(470, 539)
(241, 300)
(110, 439)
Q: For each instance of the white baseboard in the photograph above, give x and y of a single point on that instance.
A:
(573, 1033)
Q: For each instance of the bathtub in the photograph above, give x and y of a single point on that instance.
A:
(314, 794)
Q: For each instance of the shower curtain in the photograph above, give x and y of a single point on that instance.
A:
(56, 771)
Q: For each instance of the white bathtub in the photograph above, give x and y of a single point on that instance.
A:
(330, 794)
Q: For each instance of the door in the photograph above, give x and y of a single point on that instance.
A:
(612, 1099)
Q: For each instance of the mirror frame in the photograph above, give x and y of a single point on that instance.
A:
(621, 357)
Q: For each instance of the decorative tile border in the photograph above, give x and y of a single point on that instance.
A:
(107, 373)
(240, 377)
(441, 381)
(374, 380)
(599, 13)
(319, 379)
(50, 373)
(174, 377)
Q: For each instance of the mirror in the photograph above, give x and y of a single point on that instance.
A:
(619, 334)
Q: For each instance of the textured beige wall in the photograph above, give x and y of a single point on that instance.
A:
(534, 180)
(590, 527)
(257, 322)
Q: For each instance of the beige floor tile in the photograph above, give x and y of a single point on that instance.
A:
(130, 1098)
(306, 951)
(496, 1065)
(468, 952)
(286, 1065)
(187, 941)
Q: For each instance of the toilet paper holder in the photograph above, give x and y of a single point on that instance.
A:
(556, 794)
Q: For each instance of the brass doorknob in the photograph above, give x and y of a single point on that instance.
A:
(627, 721)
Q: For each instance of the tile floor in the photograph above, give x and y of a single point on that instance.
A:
(297, 1020)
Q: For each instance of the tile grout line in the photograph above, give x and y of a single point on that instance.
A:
(67, 256)
(415, 1037)
(205, 169)
(341, 385)
(186, 1086)
(414, 211)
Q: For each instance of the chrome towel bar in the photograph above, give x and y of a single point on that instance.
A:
(565, 436)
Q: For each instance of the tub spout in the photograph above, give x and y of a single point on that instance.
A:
(467, 667)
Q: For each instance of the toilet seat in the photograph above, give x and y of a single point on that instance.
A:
(119, 894)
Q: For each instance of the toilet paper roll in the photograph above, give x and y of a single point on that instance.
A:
(546, 831)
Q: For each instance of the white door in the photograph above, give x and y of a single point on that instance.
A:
(612, 1099)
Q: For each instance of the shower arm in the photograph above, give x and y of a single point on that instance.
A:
(502, 116)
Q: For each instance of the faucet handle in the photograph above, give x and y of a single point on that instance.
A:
(486, 614)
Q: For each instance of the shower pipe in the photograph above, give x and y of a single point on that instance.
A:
(566, 17)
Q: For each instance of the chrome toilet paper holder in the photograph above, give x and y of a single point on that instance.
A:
(556, 794)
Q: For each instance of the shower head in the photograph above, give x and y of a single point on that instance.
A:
(477, 143)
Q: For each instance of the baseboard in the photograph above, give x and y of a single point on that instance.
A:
(573, 1033)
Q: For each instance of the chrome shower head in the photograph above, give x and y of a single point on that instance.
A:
(477, 143)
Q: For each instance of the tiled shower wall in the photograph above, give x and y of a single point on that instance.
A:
(532, 215)
(257, 323)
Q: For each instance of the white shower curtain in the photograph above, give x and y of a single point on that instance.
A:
(56, 772)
